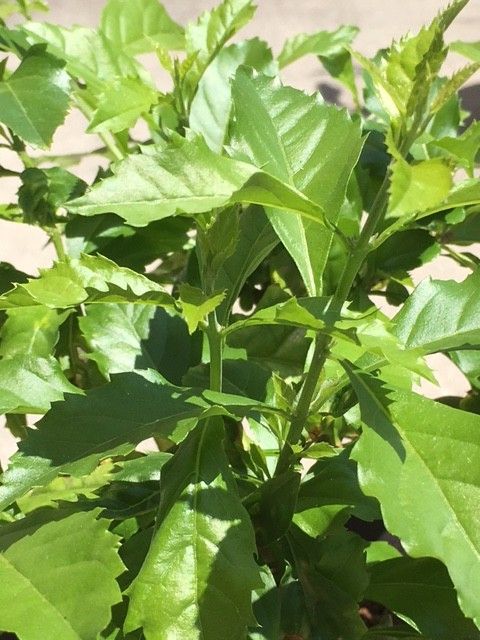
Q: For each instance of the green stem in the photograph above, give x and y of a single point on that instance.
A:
(109, 139)
(322, 342)
(215, 343)
(57, 240)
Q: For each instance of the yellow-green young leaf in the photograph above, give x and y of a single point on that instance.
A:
(463, 149)
(187, 177)
(196, 305)
(120, 105)
(441, 315)
(304, 143)
(59, 582)
(140, 26)
(67, 488)
(88, 279)
(421, 460)
(205, 37)
(34, 99)
(197, 580)
(418, 187)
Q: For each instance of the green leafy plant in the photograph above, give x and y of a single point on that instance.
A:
(214, 293)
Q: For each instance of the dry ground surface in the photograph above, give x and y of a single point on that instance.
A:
(379, 21)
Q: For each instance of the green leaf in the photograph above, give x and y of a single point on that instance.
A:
(34, 99)
(306, 144)
(333, 576)
(124, 337)
(408, 459)
(30, 331)
(205, 37)
(330, 494)
(306, 313)
(187, 177)
(68, 488)
(110, 420)
(212, 106)
(441, 315)
(120, 105)
(419, 590)
(255, 241)
(43, 191)
(196, 305)
(198, 576)
(415, 188)
(450, 88)
(140, 26)
(60, 578)
(89, 55)
(331, 49)
(470, 50)
(323, 43)
(29, 384)
(272, 506)
(88, 279)
(462, 149)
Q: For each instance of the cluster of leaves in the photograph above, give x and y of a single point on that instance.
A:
(213, 291)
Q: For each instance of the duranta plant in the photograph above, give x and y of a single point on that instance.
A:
(214, 293)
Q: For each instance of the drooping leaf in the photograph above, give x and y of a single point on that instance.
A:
(140, 26)
(187, 177)
(212, 106)
(408, 459)
(419, 589)
(88, 279)
(34, 99)
(199, 573)
(120, 105)
(196, 305)
(317, 157)
(441, 315)
(46, 575)
(333, 576)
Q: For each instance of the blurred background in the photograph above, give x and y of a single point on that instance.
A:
(275, 20)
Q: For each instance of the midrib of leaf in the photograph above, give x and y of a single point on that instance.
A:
(47, 602)
(195, 523)
(437, 483)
